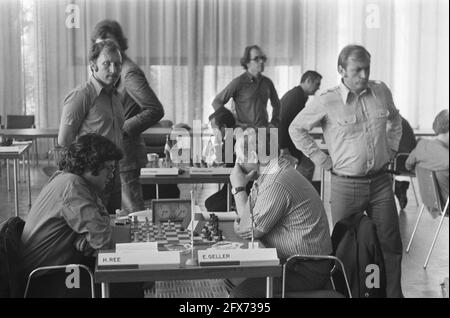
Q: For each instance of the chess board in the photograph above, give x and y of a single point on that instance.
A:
(168, 233)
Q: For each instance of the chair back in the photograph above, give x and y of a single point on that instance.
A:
(399, 164)
(10, 261)
(60, 273)
(19, 121)
(154, 143)
(428, 188)
(325, 293)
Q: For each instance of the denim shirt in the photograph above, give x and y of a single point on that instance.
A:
(362, 132)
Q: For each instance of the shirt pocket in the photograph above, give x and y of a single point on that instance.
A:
(348, 126)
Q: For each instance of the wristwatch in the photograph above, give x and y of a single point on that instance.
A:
(235, 191)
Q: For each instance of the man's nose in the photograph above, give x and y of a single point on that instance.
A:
(364, 74)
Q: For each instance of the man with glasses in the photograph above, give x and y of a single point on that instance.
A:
(250, 92)
(95, 107)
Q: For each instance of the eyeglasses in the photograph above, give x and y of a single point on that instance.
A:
(262, 58)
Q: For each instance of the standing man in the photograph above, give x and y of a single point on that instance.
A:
(95, 107)
(142, 110)
(250, 92)
(362, 129)
(291, 104)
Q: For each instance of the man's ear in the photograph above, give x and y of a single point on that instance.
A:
(93, 66)
(341, 70)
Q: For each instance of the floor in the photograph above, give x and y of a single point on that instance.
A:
(416, 282)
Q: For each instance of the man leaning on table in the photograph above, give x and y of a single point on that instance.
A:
(362, 129)
(287, 214)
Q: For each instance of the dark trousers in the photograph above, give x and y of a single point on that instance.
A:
(375, 197)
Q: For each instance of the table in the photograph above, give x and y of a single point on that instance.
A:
(184, 272)
(34, 134)
(15, 156)
(187, 178)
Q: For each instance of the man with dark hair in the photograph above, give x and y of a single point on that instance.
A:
(95, 107)
(432, 154)
(250, 92)
(291, 104)
(285, 212)
(362, 129)
(68, 221)
(142, 109)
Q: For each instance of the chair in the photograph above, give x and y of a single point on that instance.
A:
(49, 270)
(400, 170)
(429, 192)
(10, 242)
(323, 293)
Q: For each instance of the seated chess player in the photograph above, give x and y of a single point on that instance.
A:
(432, 154)
(287, 215)
(68, 222)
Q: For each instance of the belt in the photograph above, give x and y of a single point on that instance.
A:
(367, 176)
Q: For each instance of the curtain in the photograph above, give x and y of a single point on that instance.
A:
(11, 75)
(190, 49)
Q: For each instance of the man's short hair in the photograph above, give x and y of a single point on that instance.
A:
(245, 59)
(89, 153)
(311, 75)
(223, 117)
(97, 48)
(440, 124)
(107, 27)
(358, 51)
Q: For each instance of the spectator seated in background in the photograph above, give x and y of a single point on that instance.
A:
(407, 144)
(287, 214)
(433, 154)
(221, 119)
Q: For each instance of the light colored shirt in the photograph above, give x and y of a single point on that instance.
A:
(362, 132)
(250, 96)
(287, 208)
(432, 154)
(90, 108)
(66, 208)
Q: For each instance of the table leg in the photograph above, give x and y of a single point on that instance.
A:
(269, 287)
(228, 198)
(36, 152)
(322, 184)
(105, 290)
(16, 188)
(28, 178)
(157, 191)
(8, 182)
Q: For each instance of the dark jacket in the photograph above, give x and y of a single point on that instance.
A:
(355, 243)
(11, 280)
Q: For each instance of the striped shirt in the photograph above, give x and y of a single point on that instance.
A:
(287, 208)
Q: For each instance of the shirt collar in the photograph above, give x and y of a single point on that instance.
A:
(253, 79)
(99, 87)
(344, 91)
(274, 166)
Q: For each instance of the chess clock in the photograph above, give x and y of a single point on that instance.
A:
(174, 210)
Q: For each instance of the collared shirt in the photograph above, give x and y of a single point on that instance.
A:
(142, 109)
(91, 108)
(432, 154)
(291, 104)
(287, 208)
(250, 96)
(362, 132)
(66, 208)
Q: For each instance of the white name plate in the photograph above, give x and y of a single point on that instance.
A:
(210, 171)
(139, 258)
(9, 149)
(138, 246)
(159, 171)
(262, 256)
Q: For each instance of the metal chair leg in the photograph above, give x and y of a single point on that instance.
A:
(435, 236)
(415, 228)
(414, 190)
